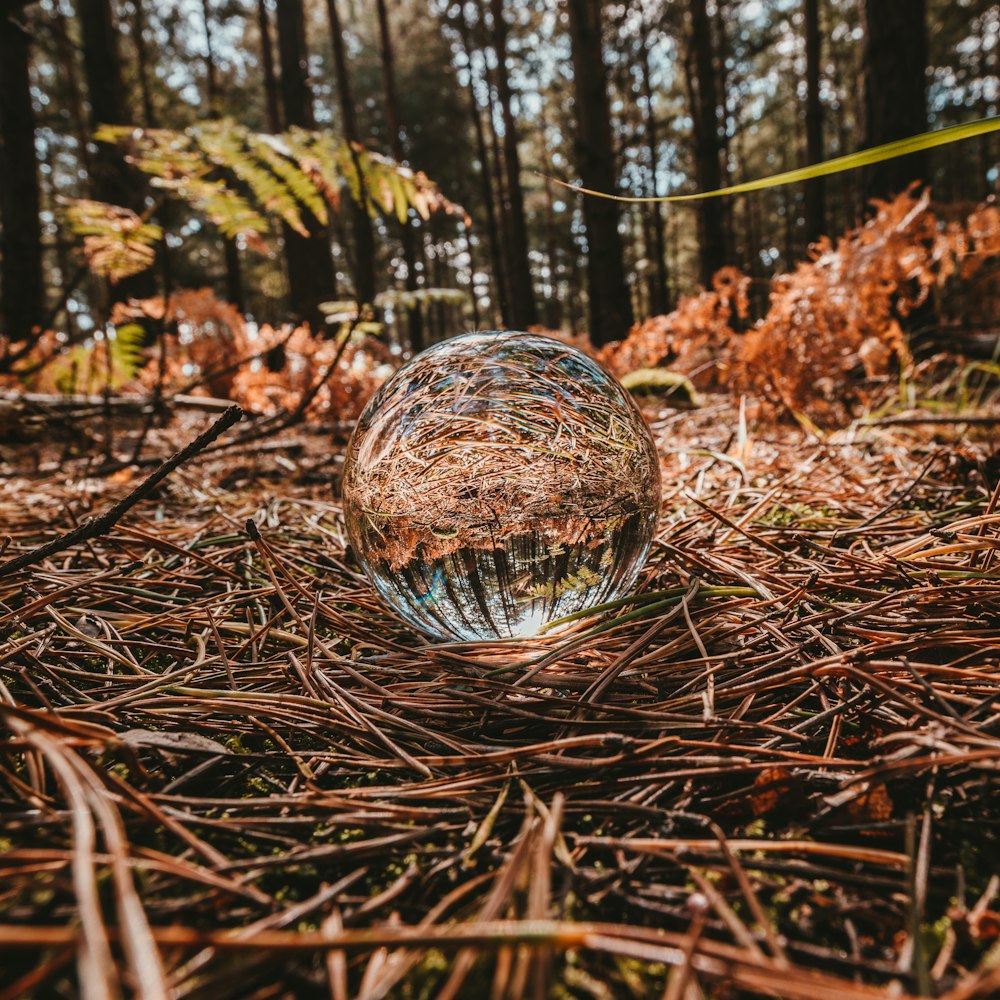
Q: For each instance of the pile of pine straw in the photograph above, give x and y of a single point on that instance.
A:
(227, 771)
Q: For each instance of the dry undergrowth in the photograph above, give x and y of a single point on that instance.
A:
(228, 772)
(837, 317)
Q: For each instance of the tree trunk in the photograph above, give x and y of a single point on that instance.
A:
(102, 68)
(553, 306)
(659, 301)
(610, 305)
(267, 64)
(894, 89)
(414, 317)
(364, 238)
(500, 298)
(235, 291)
(23, 295)
(723, 54)
(211, 75)
(815, 189)
(700, 67)
(503, 215)
(142, 55)
(523, 311)
(311, 278)
(112, 180)
(68, 66)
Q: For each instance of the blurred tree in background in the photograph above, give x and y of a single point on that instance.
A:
(492, 99)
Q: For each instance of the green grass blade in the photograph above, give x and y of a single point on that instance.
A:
(851, 161)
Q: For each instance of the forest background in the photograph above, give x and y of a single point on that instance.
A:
(227, 770)
(496, 103)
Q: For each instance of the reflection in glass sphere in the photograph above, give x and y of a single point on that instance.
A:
(499, 481)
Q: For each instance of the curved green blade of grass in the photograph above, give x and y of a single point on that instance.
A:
(850, 161)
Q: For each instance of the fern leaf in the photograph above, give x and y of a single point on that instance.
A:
(117, 243)
(125, 348)
(239, 178)
(225, 144)
(279, 157)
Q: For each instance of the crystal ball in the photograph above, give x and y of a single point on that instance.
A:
(498, 482)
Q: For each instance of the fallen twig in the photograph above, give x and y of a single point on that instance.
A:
(95, 527)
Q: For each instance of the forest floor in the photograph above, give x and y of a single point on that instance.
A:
(228, 771)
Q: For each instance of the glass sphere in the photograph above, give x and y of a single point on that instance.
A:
(499, 481)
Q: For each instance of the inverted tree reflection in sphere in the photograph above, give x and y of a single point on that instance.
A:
(499, 481)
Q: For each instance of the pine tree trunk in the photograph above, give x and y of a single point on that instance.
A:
(211, 74)
(523, 310)
(23, 295)
(112, 180)
(414, 317)
(723, 53)
(610, 304)
(169, 212)
(553, 305)
(68, 67)
(502, 204)
(486, 179)
(102, 68)
(311, 278)
(815, 189)
(142, 55)
(659, 301)
(894, 89)
(267, 65)
(700, 67)
(364, 239)
(235, 292)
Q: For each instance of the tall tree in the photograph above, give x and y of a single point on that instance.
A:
(659, 298)
(815, 189)
(106, 94)
(701, 79)
(68, 66)
(610, 305)
(234, 267)
(414, 318)
(501, 298)
(523, 310)
(145, 66)
(23, 297)
(267, 65)
(311, 279)
(112, 180)
(894, 89)
(364, 238)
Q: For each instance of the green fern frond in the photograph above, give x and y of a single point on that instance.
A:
(126, 351)
(239, 179)
(231, 147)
(318, 155)
(278, 156)
(98, 365)
(117, 243)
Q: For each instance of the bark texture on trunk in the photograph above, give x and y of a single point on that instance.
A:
(610, 304)
(407, 242)
(365, 282)
(893, 89)
(815, 189)
(112, 179)
(659, 280)
(311, 278)
(267, 65)
(22, 283)
(700, 67)
(523, 310)
(500, 297)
